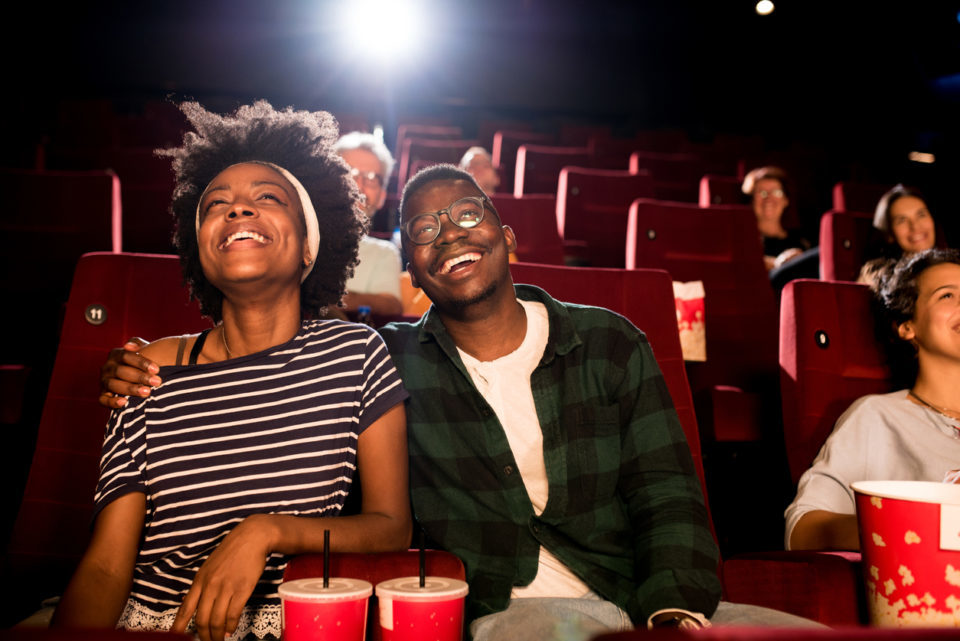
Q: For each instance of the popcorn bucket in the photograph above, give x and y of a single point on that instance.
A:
(910, 541)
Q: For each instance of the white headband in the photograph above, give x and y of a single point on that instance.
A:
(309, 214)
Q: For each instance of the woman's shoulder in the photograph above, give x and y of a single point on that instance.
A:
(163, 351)
(873, 406)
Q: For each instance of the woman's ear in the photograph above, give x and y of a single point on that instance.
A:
(906, 331)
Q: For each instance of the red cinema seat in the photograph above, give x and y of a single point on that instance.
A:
(488, 127)
(534, 222)
(720, 190)
(504, 152)
(844, 237)
(428, 150)
(420, 131)
(822, 587)
(592, 208)
(829, 357)
(375, 568)
(676, 176)
(719, 246)
(113, 297)
(538, 167)
(856, 196)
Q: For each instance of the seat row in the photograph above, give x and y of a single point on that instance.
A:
(116, 295)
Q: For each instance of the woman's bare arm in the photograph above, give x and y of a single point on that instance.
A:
(96, 594)
(823, 530)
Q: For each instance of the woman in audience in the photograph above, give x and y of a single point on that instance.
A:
(910, 434)
(767, 188)
(246, 450)
(904, 225)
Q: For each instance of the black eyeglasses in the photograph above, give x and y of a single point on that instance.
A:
(465, 213)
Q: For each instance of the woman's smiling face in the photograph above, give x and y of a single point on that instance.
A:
(251, 226)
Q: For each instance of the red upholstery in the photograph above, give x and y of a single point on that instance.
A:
(782, 581)
(504, 152)
(676, 176)
(720, 190)
(422, 131)
(433, 151)
(756, 633)
(857, 196)
(135, 294)
(718, 245)
(843, 242)
(375, 568)
(534, 222)
(592, 208)
(653, 312)
(829, 357)
(538, 167)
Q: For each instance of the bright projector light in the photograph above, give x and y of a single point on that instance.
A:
(382, 29)
(764, 7)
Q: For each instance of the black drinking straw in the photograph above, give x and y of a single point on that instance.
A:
(423, 563)
(326, 558)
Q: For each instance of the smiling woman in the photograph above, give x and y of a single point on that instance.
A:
(247, 447)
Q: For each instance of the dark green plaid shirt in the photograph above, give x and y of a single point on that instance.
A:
(624, 513)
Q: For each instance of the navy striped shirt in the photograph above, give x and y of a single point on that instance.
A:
(272, 432)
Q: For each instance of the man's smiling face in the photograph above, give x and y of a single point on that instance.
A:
(460, 267)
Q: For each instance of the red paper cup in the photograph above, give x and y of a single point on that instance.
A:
(910, 540)
(312, 612)
(431, 613)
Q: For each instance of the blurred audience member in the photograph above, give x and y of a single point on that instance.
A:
(376, 279)
(479, 163)
(911, 434)
(767, 188)
(904, 225)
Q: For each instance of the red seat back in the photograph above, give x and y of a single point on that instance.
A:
(534, 222)
(538, 167)
(114, 297)
(720, 190)
(429, 151)
(856, 196)
(719, 246)
(676, 176)
(829, 357)
(645, 298)
(592, 206)
(504, 152)
(844, 237)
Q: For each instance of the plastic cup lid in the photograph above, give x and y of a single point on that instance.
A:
(436, 587)
(340, 589)
(920, 491)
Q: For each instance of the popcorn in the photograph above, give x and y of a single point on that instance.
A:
(952, 576)
(907, 575)
(875, 573)
(878, 540)
(877, 502)
(890, 586)
(911, 537)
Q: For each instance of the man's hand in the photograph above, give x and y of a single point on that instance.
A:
(126, 373)
(226, 580)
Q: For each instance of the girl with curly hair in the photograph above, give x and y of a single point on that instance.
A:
(246, 449)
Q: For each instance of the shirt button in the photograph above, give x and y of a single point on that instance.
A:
(508, 470)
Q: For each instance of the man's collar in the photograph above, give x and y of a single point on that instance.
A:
(563, 334)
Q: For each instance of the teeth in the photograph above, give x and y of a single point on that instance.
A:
(447, 266)
(244, 235)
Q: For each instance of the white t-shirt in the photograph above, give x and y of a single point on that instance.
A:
(379, 269)
(880, 437)
(505, 384)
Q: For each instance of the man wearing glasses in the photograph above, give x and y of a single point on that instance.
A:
(376, 279)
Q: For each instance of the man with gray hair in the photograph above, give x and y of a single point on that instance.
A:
(376, 279)
(478, 162)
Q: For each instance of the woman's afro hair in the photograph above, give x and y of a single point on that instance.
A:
(302, 143)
